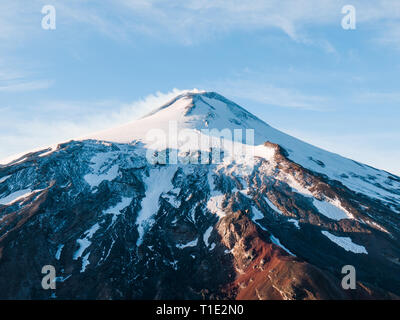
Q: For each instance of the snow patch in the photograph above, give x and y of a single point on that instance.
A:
(299, 188)
(17, 195)
(214, 205)
(85, 262)
(206, 235)
(295, 185)
(332, 209)
(264, 152)
(345, 242)
(58, 253)
(102, 169)
(94, 180)
(295, 222)
(276, 241)
(275, 208)
(117, 209)
(85, 242)
(171, 198)
(62, 279)
(189, 244)
(83, 245)
(378, 226)
(158, 182)
(4, 178)
(257, 214)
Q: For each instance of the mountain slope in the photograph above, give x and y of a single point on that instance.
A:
(278, 223)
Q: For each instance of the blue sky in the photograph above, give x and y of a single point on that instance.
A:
(289, 62)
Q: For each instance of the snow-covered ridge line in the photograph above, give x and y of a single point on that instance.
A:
(44, 151)
(17, 196)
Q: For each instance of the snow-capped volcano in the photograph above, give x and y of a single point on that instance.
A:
(278, 223)
(190, 110)
(200, 110)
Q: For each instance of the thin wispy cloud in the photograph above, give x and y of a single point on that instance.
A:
(390, 35)
(13, 79)
(377, 97)
(192, 21)
(18, 20)
(269, 94)
(20, 86)
(65, 120)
